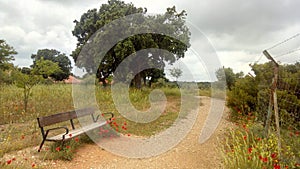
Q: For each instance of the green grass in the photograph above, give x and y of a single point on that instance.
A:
(246, 147)
(20, 130)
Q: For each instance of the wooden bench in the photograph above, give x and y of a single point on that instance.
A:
(69, 116)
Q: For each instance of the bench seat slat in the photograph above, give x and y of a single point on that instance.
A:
(77, 132)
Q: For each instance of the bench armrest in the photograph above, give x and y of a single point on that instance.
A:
(111, 115)
(57, 128)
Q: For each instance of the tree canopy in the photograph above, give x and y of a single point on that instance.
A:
(7, 53)
(227, 74)
(176, 73)
(251, 94)
(54, 56)
(94, 19)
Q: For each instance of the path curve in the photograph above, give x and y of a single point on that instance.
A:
(188, 154)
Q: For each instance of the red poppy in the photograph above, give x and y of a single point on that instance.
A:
(265, 159)
(70, 135)
(258, 139)
(13, 159)
(76, 139)
(22, 137)
(33, 165)
(57, 148)
(250, 150)
(125, 123)
(128, 135)
(245, 137)
(276, 166)
(273, 155)
(68, 147)
(8, 161)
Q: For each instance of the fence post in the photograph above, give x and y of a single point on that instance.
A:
(275, 104)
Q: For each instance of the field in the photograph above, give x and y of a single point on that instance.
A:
(241, 146)
(20, 130)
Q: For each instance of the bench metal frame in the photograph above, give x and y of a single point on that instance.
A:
(68, 116)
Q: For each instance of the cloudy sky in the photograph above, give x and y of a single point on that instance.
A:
(238, 31)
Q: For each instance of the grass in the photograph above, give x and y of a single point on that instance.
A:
(246, 147)
(20, 130)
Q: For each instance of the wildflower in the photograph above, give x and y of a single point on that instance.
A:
(128, 135)
(68, 147)
(8, 161)
(250, 150)
(297, 133)
(276, 166)
(76, 139)
(33, 165)
(57, 148)
(22, 137)
(258, 138)
(273, 155)
(265, 159)
(70, 135)
(13, 159)
(245, 137)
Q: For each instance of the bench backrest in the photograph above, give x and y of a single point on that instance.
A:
(64, 116)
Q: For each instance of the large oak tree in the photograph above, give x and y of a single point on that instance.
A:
(171, 21)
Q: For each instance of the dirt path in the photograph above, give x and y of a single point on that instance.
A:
(187, 154)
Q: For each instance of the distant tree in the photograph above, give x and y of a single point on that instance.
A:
(227, 74)
(176, 73)
(55, 56)
(45, 68)
(94, 19)
(6, 54)
(26, 70)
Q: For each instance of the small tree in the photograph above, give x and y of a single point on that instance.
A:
(30, 78)
(176, 73)
(26, 82)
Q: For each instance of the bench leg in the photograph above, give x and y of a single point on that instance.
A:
(41, 145)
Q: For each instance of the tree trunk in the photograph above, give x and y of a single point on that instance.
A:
(138, 81)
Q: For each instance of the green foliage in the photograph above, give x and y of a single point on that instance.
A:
(92, 20)
(6, 54)
(227, 75)
(176, 73)
(58, 58)
(45, 68)
(252, 94)
(26, 82)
